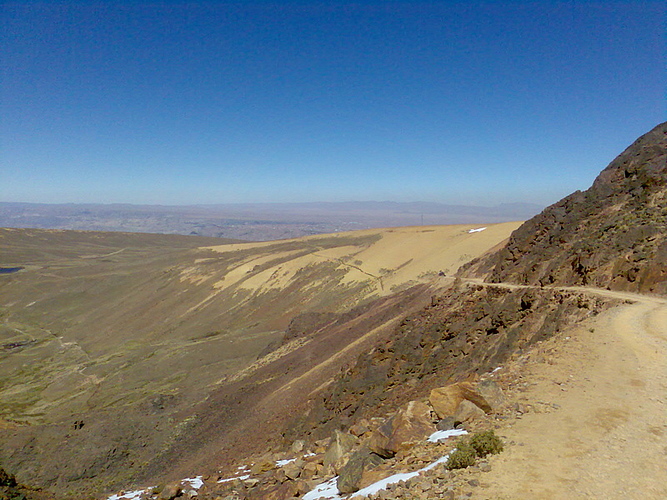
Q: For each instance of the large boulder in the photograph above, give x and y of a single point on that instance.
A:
(341, 445)
(486, 395)
(492, 394)
(467, 412)
(445, 400)
(350, 476)
(410, 423)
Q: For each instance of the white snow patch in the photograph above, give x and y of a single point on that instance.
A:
(383, 483)
(476, 230)
(282, 463)
(194, 482)
(242, 478)
(328, 490)
(128, 495)
(441, 460)
(440, 435)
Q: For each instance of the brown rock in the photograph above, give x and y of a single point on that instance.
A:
(293, 469)
(339, 449)
(468, 412)
(303, 487)
(298, 446)
(262, 466)
(309, 470)
(278, 492)
(360, 428)
(280, 476)
(411, 423)
(350, 476)
(170, 491)
(471, 393)
(492, 394)
(486, 395)
(445, 424)
(445, 400)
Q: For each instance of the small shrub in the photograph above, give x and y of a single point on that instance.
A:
(463, 456)
(485, 443)
(479, 445)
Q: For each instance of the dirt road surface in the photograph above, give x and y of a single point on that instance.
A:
(598, 428)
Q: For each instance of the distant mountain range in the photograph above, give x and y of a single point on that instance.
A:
(254, 221)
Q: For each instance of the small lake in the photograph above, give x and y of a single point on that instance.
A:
(10, 270)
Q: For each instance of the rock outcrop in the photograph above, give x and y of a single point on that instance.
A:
(613, 235)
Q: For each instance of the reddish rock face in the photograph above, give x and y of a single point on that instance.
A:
(613, 235)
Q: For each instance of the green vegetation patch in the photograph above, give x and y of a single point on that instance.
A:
(463, 456)
(486, 443)
(479, 445)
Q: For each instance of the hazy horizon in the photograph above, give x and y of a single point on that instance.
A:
(176, 103)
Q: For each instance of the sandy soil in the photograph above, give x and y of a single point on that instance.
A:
(598, 428)
(392, 257)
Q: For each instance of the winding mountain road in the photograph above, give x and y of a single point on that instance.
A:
(604, 435)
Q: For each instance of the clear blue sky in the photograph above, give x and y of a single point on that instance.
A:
(215, 102)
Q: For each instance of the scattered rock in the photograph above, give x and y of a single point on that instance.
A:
(293, 469)
(170, 491)
(298, 446)
(360, 428)
(261, 466)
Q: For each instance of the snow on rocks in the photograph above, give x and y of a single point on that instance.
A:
(282, 463)
(128, 495)
(194, 482)
(329, 490)
(342, 467)
(228, 479)
(441, 435)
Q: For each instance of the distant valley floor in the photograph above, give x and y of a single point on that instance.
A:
(254, 222)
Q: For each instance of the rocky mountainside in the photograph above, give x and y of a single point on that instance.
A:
(465, 331)
(613, 235)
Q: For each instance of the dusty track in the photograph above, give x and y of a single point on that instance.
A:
(605, 435)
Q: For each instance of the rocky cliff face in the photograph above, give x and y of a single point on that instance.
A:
(613, 235)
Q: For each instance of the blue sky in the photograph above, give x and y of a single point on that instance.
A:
(216, 102)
